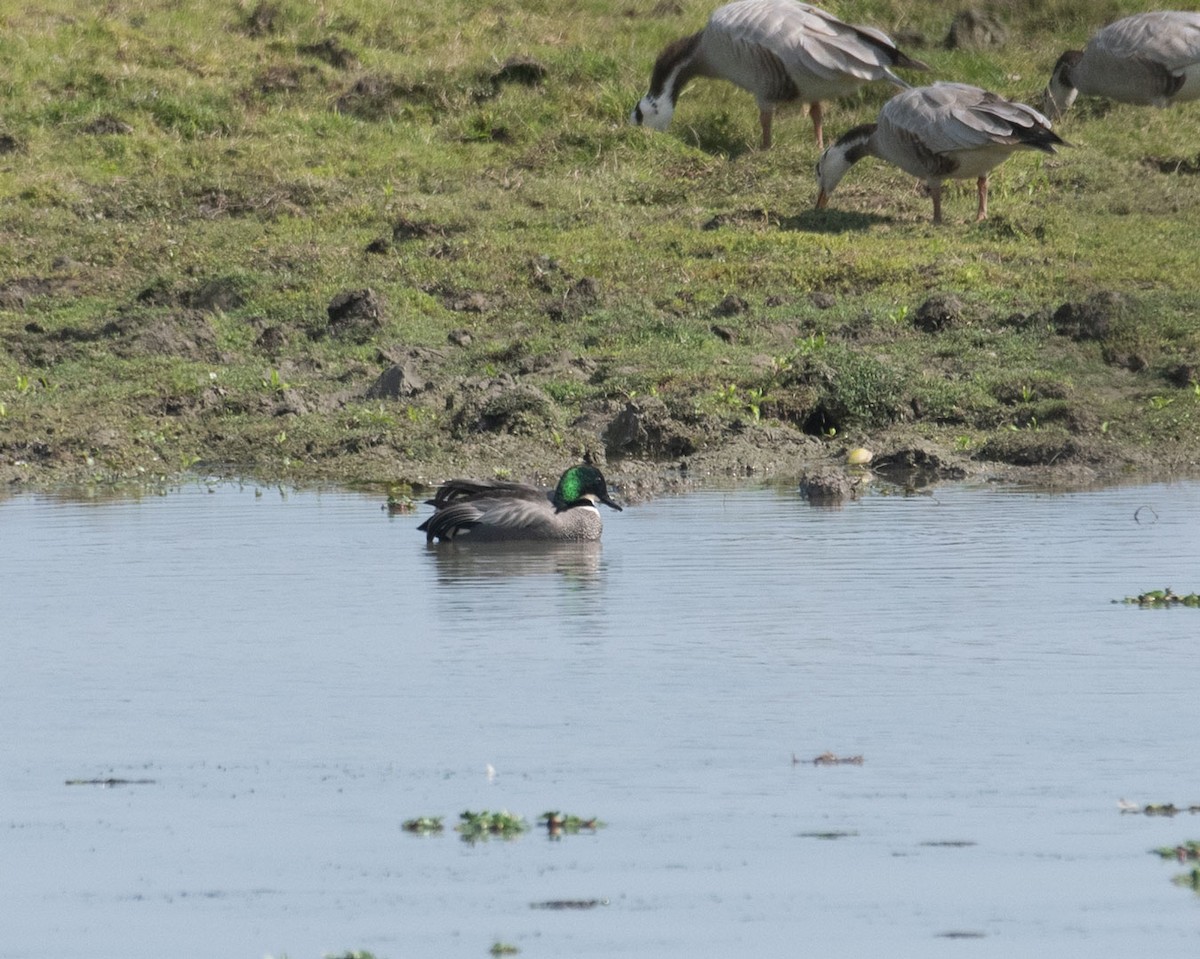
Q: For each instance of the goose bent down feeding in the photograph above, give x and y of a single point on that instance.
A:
(779, 50)
(1151, 59)
(498, 511)
(943, 131)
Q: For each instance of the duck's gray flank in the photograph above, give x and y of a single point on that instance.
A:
(501, 511)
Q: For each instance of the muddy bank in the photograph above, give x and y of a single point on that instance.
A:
(153, 392)
(644, 447)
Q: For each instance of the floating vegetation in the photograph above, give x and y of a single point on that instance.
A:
(474, 826)
(949, 843)
(503, 949)
(829, 759)
(423, 825)
(828, 835)
(1190, 879)
(1184, 852)
(399, 500)
(1162, 598)
(1156, 809)
(569, 904)
(557, 824)
(110, 782)
(962, 934)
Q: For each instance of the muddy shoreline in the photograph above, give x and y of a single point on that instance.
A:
(737, 453)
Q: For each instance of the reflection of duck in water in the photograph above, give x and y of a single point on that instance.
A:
(498, 511)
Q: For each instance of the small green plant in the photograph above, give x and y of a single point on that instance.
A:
(1161, 402)
(476, 826)
(754, 398)
(728, 394)
(503, 949)
(22, 383)
(809, 345)
(274, 383)
(423, 825)
(963, 443)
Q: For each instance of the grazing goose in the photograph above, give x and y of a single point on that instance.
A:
(779, 50)
(1151, 59)
(497, 511)
(939, 132)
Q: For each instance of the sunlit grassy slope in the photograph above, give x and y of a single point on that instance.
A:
(185, 187)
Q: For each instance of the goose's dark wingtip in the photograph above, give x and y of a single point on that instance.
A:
(905, 62)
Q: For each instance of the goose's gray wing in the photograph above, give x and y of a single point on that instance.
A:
(951, 117)
(1167, 37)
(807, 39)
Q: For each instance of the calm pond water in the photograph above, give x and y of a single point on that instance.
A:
(295, 674)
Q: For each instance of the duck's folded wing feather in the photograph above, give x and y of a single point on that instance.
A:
(466, 489)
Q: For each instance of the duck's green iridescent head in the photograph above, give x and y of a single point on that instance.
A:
(582, 484)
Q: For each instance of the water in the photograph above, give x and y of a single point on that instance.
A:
(297, 673)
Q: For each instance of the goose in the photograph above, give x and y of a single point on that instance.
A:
(1151, 59)
(500, 511)
(938, 132)
(779, 50)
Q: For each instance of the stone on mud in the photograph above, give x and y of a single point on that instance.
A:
(645, 427)
(396, 382)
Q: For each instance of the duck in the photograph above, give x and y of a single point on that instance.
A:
(1148, 59)
(502, 511)
(939, 132)
(779, 50)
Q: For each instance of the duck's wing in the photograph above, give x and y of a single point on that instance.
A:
(489, 518)
(457, 490)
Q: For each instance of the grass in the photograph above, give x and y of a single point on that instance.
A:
(187, 187)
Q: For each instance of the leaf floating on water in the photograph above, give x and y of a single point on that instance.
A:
(558, 823)
(110, 782)
(830, 759)
(1161, 598)
(828, 835)
(423, 825)
(1182, 852)
(1156, 809)
(474, 826)
(569, 904)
